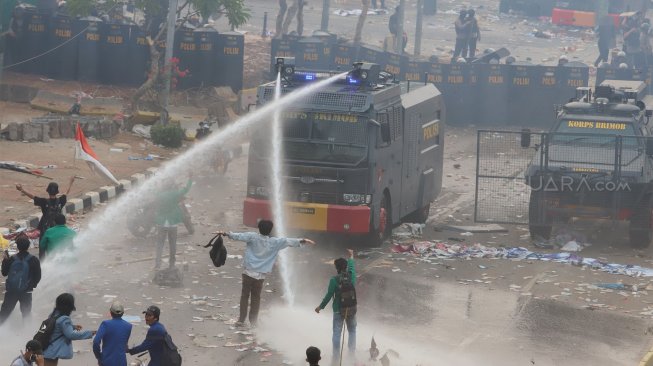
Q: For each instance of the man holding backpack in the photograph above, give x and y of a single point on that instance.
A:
(342, 290)
(23, 272)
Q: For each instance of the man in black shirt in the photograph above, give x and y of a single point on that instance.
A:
(23, 272)
(49, 206)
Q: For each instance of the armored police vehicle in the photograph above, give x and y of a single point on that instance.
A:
(360, 155)
(596, 162)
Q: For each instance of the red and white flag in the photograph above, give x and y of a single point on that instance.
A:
(83, 151)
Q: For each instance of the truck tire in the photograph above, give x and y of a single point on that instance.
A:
(535, 227)
(641, 225)
(420, 216)
(378, 235)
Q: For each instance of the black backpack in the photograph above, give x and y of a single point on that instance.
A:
(18, 277)
(45, 331)
(346, 290)
(218, 251)
(170, 356)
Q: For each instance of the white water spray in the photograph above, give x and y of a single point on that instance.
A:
(60, 277)
(278, 197)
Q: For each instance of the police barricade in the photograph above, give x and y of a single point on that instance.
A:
(413, 70)
(344, 55)
(311, 54)
(15, 47)
(372, 54)
(547, 81)
(394, 64)
(435, 75)
(114, 50)
(521, 95)
(62, 60)
(282, 47)
(207, 52)
(139, 56)
(231, 49)
(330, 40)
(610, 73)
(572, 76)
(185, 50)
(88, 48)
(493, 85)
(459, 88)
(34, 42)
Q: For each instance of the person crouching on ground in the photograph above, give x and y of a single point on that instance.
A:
(260, 254)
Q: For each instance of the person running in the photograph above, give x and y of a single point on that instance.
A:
(111, 339)
(49, 206)
(345, 279)
(61, 345)
(260, 254)
(23, 272)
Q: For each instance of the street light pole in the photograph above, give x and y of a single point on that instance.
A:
(170, 41)
(325, 16)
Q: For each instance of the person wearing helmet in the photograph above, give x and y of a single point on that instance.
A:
(474, 34)
(49, 206)
(606, 38)
(462, 26)
(562, 60)
(623, 65)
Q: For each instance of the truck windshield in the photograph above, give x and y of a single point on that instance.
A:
(578, 132)
(325, 136)
(339, 138)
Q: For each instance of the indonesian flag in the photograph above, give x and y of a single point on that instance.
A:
(83, 151)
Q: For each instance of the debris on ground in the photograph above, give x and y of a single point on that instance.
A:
(443, 250)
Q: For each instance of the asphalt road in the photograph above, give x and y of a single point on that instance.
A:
(458, 312)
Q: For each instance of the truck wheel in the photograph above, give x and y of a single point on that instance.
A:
(534, 221)
(420, 216)
(378, 235)
(641, 226)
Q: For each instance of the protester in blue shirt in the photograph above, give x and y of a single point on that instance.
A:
(260, 254)
(155, 338)
(61, 345)
(113, 335)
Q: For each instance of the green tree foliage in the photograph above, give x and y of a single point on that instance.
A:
(235, 10)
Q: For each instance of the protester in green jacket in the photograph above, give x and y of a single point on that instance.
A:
(169, 215)
(341, 316)
(57, 238)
